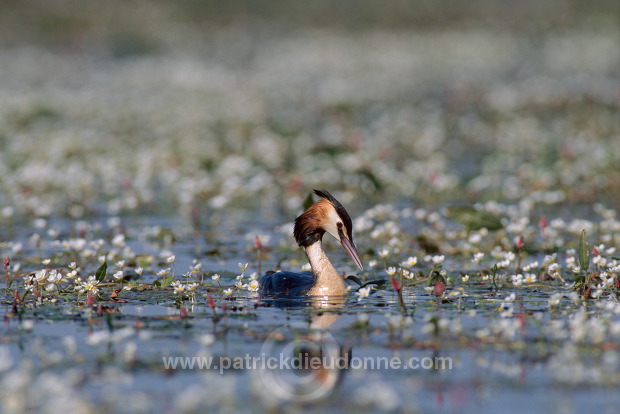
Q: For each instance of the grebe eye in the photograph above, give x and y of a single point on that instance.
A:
(339, 224)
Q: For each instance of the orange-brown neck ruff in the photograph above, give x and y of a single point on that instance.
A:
(309, 225)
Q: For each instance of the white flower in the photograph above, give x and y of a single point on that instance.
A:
(72, 266)
(410, 262)
(240, 285)
(599, 260)
(179, 288)
(474, 238)
(118, 275)
(553, 269)
(529, 278)
(91, 284)
(253, 286)
(171, 259)
(503, 264)
(46, 262)
(477, 257)
(215, 277)
(54, 276)
(363, 293)
(120, 264)
(139, 271)
(465, 278)
(40, 275)
(163, 272)
(118, 240)
(242, 266)
(54, 280)
(391, 271)
(372, 264)
(438, 259)
(228, 292)
(384, 253)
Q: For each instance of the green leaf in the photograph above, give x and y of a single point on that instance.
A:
(474, 219)
(166, 281)
(436, 277)
(579, 282)
(584, 251)
(102, 272)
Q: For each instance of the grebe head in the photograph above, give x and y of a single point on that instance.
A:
(326, 215)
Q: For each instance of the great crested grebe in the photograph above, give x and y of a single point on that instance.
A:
(326, 215)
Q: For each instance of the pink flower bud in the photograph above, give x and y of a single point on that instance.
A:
(210, 301)
(542, 223)
(395, 284)
(520, 243)
(439, 288)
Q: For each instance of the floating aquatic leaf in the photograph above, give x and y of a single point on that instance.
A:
(474, 219)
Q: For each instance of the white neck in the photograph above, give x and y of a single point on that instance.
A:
(328, 280)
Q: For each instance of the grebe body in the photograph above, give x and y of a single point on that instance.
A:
(326, 215)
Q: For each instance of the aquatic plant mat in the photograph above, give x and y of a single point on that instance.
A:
(153, 157)
(177, 325)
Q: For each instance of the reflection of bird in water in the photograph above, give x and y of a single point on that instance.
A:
(317, 365)
(326, 215)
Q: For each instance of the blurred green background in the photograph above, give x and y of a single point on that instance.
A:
(177, 106)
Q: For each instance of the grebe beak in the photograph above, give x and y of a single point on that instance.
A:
(351, 250)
